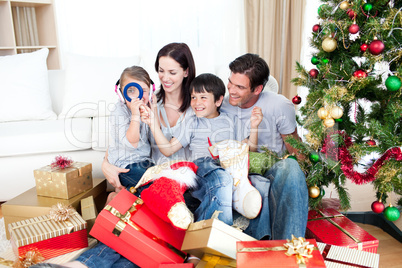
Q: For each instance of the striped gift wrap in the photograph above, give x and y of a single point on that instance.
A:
(51, 238)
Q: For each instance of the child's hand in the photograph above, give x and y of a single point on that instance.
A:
(135, 105)
(147, 115)
(256, 117)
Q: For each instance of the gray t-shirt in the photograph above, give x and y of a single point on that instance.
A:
(169, 131)
(198, 130)
(279, 117)
(121, 153)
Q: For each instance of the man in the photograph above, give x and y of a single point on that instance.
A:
(283, 187)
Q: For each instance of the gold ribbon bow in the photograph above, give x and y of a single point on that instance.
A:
(299, 247)
(60, 212)
(32, 257)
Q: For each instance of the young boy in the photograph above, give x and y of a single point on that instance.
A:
(207, 92)
(130, 147)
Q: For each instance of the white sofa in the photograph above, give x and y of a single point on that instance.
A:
(46, 113)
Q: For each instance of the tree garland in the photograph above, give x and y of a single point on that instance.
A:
(342, 154)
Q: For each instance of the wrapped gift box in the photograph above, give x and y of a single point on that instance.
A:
(89, 211)
(130, 227)
(213, 237)
(331, 227)
(63, 183)
(335, 256)
(29, 204)
(51, 238)
(271, 253)
(209, 261)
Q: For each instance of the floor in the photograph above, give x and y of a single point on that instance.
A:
(389, 248)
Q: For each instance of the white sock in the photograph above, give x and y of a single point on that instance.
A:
(246, 199)
(234, 159)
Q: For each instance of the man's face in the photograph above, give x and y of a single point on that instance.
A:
(240, 91)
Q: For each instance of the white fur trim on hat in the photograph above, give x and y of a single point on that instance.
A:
(183, 175)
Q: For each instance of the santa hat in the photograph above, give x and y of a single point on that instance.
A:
(183, 172)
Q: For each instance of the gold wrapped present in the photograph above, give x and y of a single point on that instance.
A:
(213, 237)
(212, 261)
(89, 211)
(29, 204)
(63, 182)
(62, 231)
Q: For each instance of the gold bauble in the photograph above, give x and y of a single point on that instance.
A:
(329, 122)
(329, 44)
(344, 5)
(336, 112)
(314, 191)
(322, 113)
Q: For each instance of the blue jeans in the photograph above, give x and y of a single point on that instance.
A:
(102, 256)
(284, 198)
(131, 178)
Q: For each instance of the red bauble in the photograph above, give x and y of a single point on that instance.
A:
(313, 73)
(371, 142)
(354, 29)
(360, 74)
(376, 47)
(316, 28)
(363, 47)
(377, 207)
(351, 14)
(296, 99)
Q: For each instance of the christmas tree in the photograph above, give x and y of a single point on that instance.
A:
(353, 111)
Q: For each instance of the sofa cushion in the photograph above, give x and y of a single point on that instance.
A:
(90, 83)
(24, 87)
(33, 137)
(100, 133)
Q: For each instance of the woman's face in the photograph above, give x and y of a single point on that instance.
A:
(171, 74)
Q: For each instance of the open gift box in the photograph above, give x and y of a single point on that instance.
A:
(128, 226)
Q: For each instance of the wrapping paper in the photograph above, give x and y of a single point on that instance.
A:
(49, 237)
(89, 211)
(271, 253)
(331, 227)
(63, 183)
(336, 256)
(213, 237)
(128, 226)
(29, 204)
(212, 261)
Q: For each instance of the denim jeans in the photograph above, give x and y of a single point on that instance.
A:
(131, 178)
(102, 256)
(284, 198)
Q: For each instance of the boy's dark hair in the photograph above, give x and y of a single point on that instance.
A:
(208, 83)
(254, 67)
(181, 53)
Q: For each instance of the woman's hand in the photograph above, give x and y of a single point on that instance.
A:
(112, 172)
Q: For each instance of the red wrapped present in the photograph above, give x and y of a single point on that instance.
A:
(336, 257)
(49, 236)
(298, 252)
(331, 227)
(128, 226)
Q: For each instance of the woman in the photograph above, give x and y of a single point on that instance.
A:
(176, 69)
